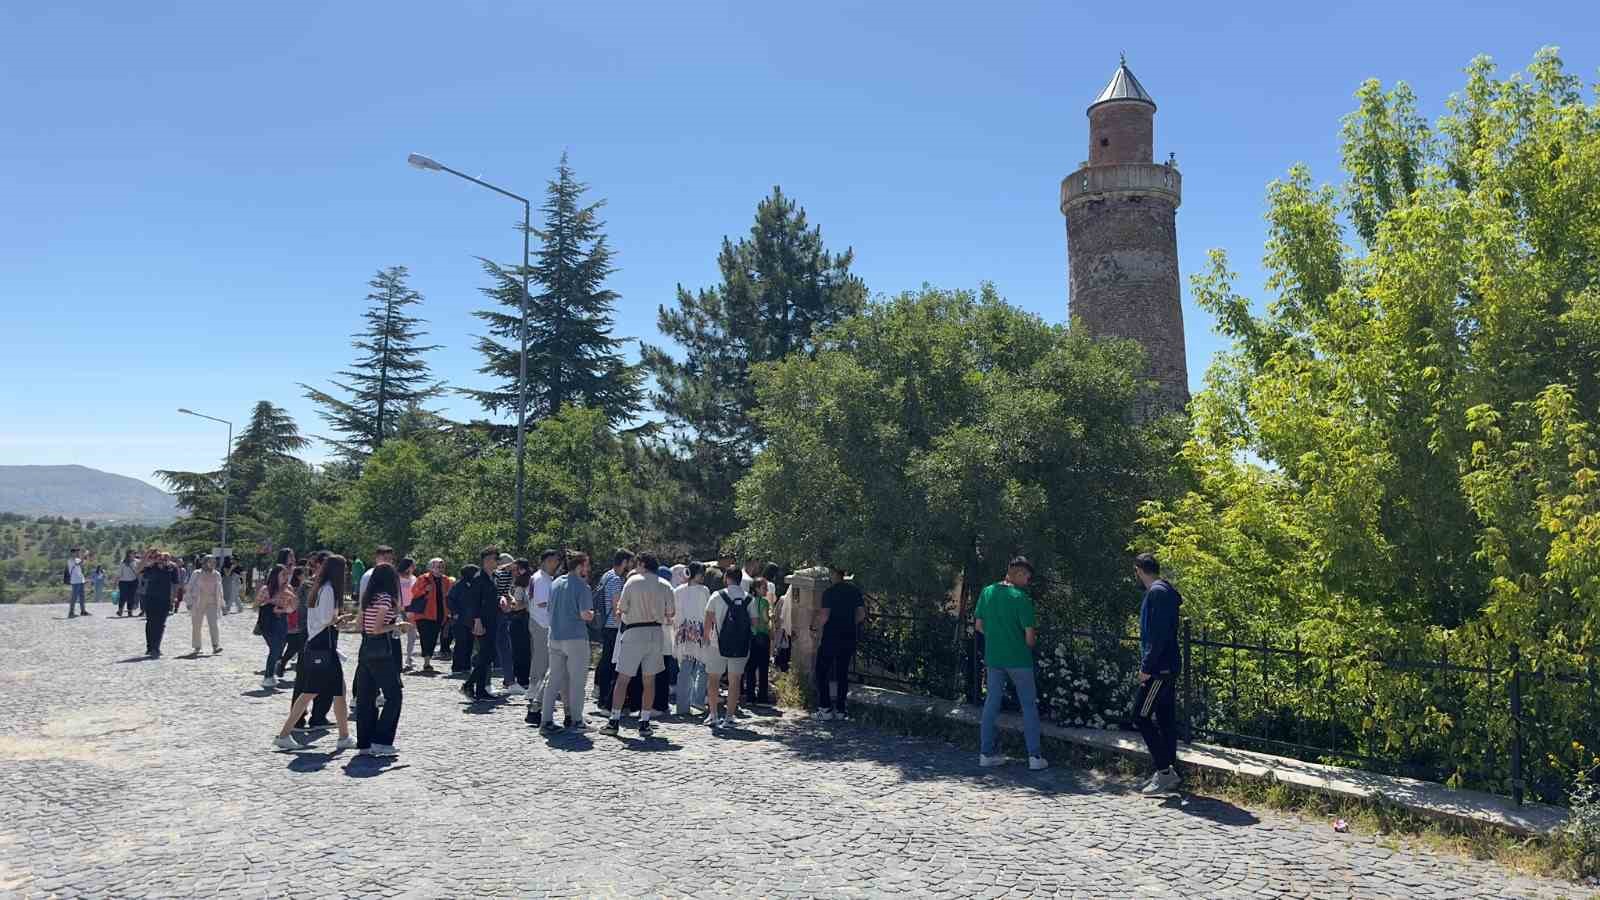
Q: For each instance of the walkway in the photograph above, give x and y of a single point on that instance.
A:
(121, 777)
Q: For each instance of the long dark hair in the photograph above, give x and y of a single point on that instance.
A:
(382, 581)
(332, 575)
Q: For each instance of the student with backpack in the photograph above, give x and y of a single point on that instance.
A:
(729, 631)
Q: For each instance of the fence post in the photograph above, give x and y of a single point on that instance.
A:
(1188, 685)
(1516, 726)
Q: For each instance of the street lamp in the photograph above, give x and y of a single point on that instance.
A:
(227, 463)
(428, 164)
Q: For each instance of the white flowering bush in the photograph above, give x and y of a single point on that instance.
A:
(1087, 683)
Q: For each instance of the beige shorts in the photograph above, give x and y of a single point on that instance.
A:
(639, 651)
(733, 665)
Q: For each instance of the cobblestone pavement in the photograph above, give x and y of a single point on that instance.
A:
(122, 777)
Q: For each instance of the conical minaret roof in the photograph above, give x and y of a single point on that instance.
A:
(1123, 86)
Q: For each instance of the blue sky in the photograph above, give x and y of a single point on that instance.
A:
(195, 194)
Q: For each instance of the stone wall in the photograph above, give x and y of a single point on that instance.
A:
(1121, 132)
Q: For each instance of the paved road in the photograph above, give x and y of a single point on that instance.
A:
(121, 777)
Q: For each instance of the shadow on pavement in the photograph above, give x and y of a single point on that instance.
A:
(312, 762)
(658, 744)
(134, 659)
(1212, 810)
(370, 766)
(259, 693)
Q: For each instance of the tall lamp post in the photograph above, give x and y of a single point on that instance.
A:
(227, 463)
(427, 164)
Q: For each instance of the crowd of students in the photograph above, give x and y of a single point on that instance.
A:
(666, 635)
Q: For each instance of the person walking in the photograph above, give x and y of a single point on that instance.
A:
(1005, 618)
(641, 610)
(159, 578)
(611, 584)
(428, 611)
(378, 664)
(480, 609)
(460, 622)
(205, 602)
(689, 600)
(537, 601)
(274, 599)
(295, 623)
(319, 677)
(1160, 664)
(570, 610)
(232, 585)
(74, 578)
(728, 629)
(127, 583)
(758, 669)
(839, 618)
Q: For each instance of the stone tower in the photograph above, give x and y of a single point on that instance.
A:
(1122, 239)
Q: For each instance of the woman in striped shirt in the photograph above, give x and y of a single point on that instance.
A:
(378, 667)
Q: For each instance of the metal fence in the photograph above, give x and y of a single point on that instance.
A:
(1499, 723)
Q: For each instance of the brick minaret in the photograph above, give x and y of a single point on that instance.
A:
(1122, 239)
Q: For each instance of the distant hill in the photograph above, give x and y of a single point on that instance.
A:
(79, 492)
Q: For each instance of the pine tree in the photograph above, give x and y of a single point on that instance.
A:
(388, 376)
(270, 437)
(779, 287)
(572, 356)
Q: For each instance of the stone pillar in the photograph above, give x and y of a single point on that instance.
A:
(800, 611)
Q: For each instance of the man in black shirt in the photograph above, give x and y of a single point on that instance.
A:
(160, 576)
(480, 609)
(843, 610)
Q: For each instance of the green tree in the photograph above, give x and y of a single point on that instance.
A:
(779, 288)
(939, 433)
(389, 375)
(269, 438)
(383, 505)
(282, 504)
(572, 356)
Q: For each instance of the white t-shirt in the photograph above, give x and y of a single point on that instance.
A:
(361, 589)
(539, 597)
(690, 601)
(126, 572)
(718, 607)
(680, 575)
(407, 582)
(75, 568)
(321, 616)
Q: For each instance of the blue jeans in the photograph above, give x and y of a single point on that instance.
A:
(1022, 678)
(691, 683)
(275, 631)
(77, 597)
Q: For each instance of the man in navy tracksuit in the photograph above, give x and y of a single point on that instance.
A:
(1159, 666)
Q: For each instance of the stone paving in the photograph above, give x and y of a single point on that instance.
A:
(124, 777)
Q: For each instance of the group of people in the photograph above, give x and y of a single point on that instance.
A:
(666, 634)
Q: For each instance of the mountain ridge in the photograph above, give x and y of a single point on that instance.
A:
(79, 492)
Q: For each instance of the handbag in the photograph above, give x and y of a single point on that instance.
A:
(376, 648)
(318, 663)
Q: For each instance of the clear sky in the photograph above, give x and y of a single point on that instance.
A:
(194, 195)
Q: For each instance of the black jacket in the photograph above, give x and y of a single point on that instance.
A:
(1158, 629)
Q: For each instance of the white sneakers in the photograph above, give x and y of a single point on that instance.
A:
(383, 750)
(1161, 783)
(1038, 763)
(989, 762)
(825, 715)
(268, 683)
(345, 743)
(287, 742)
(515, 690)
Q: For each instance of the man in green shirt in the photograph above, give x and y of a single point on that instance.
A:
(1005, 619)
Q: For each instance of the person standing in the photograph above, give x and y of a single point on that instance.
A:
(641, 610)
(1160, 664)
(538, 606)
(505, 583)
(727, 626)
(570, 610)
(232, 585)
(378, 664)
(127, 583)
(407, 570)
(428, 610)
(205, 602)
(758, 670)
(611, 584)
(274, 599)
(295, 623)
(98, 580)
(1005, 618)
(480, 610)
(160, 577)
(320, 676)
(689, 600)
(839, 618)
(75, 580)
(383, 555)
(460, 622)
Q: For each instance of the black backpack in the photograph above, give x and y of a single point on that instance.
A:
(733, 638)
(66, 574)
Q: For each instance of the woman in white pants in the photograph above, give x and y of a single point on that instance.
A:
(205, 602)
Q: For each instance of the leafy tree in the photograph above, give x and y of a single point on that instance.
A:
(779, 288)
(389, 375)
(383, 505)
(283, 503)
(939, 433)
(270, 437)
(572, 357)
(1398, 449)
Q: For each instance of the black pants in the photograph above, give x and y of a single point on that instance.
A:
(371, 678)
(483, 657)
(428, 631)
(1154, 713)
(757, 669)
(291, 650)
(521, 649)
(155, 624)
(461, 658)
(605, 671)
(329, 640)
(833, 669)
(447, 633)
(127, 591)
